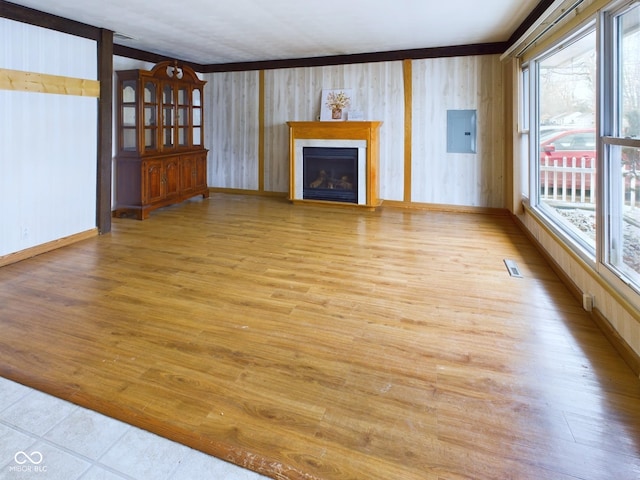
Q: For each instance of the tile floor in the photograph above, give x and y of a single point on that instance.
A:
(43, 437)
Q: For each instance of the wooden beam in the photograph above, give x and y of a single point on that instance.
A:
(536, 13)
(408, 122)
(261, 127)
(395, 55)
(105, 132)
(44, 83)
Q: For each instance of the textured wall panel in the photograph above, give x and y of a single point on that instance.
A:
(232, 130)
(48, 142)
(291, 94)
(458, 83)
(48, 146)
(379, 93)
(35, 49)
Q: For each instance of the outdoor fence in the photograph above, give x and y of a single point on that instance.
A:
(571, 180)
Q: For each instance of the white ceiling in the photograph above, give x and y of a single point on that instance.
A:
(225, 31)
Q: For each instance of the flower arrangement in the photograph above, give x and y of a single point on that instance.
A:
(337, 100)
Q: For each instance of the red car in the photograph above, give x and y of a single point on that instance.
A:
(561, 160)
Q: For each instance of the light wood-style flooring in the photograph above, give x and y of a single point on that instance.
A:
(311, 342)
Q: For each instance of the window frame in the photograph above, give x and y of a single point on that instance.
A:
(586, 252)
(524, 130)
(611, 138)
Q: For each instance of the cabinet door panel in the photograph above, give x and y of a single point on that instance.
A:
(172, 177)
(200, 169)
(187, 176)
(152, 181)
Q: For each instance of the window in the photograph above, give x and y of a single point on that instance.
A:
(563, 146)
(621, 121)
(585, 161)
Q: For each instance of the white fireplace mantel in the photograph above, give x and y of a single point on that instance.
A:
(360, 135)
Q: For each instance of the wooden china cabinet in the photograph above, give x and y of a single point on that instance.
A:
(161, 157)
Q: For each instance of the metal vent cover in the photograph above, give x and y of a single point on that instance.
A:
(512, 268)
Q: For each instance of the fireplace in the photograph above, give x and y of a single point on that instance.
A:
(334, 163)
(330, 173)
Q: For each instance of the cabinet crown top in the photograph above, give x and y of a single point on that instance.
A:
(175, 70)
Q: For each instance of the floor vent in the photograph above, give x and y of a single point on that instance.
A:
(512, 267)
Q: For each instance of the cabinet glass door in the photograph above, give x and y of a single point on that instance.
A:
(168, 120)
(150, 116)
(196, 107)
(128, 113)
(183, 116)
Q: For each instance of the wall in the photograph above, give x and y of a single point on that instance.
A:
(48, 142)
(231, 129)
(234, 125)
(458, 83)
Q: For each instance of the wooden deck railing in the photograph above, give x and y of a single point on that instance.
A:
(570, 180)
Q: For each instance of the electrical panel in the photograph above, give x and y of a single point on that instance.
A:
(461, 131)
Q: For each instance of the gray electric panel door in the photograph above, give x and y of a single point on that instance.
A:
(461, 131)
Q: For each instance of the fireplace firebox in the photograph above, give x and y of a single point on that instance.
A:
(330, 173)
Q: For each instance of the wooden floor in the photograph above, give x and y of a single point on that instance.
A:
(322, 343)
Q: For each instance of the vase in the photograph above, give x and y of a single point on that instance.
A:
(336, 114)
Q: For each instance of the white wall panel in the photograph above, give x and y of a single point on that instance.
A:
(291, 94)
(35, 49)
(48, 143)
(48, 146)
(458, 83)
(232, 124)
(379, 93)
